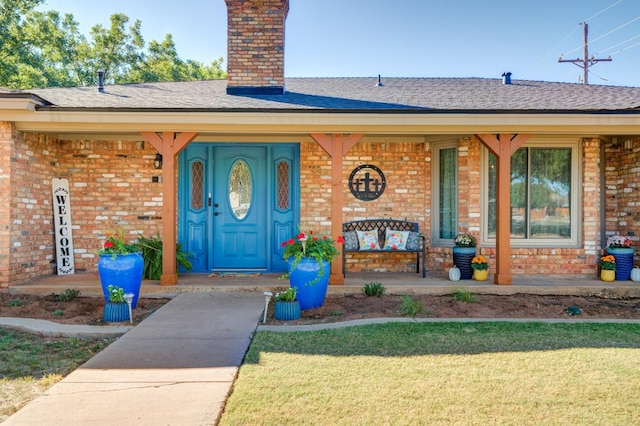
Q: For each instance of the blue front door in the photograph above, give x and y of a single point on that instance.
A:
(237, 205)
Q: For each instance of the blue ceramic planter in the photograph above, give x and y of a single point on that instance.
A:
(123, 270)
(116, 312)
(462, 257)
(287, 311)
(311, 284)
(624, 262)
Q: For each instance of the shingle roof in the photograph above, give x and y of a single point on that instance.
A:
(356, 94)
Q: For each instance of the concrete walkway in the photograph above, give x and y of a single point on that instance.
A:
(175, 368)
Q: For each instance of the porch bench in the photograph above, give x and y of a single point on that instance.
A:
(415, 242)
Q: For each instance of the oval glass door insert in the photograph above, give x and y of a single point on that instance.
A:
(240, 189)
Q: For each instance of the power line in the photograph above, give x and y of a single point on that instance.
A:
(585, 62)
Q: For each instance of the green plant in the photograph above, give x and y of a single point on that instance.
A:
(608, 262)
(16, 303)
(465, 240)
(288, 295)
(114, 244)
(479, 263)
(464, 295)
(116, 294)
(410, 307)
(67, 295)
(320, 248)
(58, 312)
(152, 254)
(373, 289)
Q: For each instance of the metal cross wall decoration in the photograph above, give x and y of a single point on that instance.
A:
(363, 185)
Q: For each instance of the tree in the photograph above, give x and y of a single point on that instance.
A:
(43, 49)
(162, 63)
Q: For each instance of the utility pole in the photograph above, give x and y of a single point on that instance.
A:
(585, 62)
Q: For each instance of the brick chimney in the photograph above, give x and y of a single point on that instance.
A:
(255, 46)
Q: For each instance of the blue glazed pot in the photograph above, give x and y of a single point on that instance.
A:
(115, 312)
(123, 270)
(624, 262)
(462, 257)
(287, 311)
(312, 286)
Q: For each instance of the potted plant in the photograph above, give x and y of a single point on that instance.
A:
(152, 254)
(463, 251)
(607, 268)
(621, 248)
(287, 306)
(309, 259)
(116, 308)
(480, 268)
(122, 263)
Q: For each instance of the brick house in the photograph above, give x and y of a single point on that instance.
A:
(247, 159)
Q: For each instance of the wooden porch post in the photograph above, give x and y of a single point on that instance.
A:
(503, 147)
(336, 146)
(169, 145)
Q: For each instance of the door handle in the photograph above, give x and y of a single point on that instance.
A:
(209, 200)
(216, 214)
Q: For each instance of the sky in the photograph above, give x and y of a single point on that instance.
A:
(408, 38)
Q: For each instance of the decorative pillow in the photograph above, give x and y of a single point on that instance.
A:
(413, 242)
(350, 241)
(395, 240)
(368, 240)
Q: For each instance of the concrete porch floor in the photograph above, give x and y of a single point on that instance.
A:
(435, 283)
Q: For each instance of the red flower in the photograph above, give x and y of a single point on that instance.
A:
(301, 235)
(108, 244)
(340, 239)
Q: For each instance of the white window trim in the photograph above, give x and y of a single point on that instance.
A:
(575, 145)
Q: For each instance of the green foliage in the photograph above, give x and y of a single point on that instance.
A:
(464, 295)
(116, 294)
(373, 289)
(58, 312)
(152, 254)
(45, 49)
(67, 295)
(410, 307)
(287, 296)
(16, 303)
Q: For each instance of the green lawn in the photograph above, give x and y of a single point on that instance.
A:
(441, 373)
(30, 364)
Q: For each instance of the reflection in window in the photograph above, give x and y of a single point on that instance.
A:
(240, 189)
(448, 193)
(540, 193)
(197, 184)
(283, 185)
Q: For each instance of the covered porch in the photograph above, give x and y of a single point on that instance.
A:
(400, 283)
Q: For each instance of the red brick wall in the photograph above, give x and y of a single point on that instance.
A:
(26, 241)
(406, 166)
(255, 42)
(111, 188)
(622, 182)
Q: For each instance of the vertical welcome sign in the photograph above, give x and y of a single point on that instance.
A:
(62, 220)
